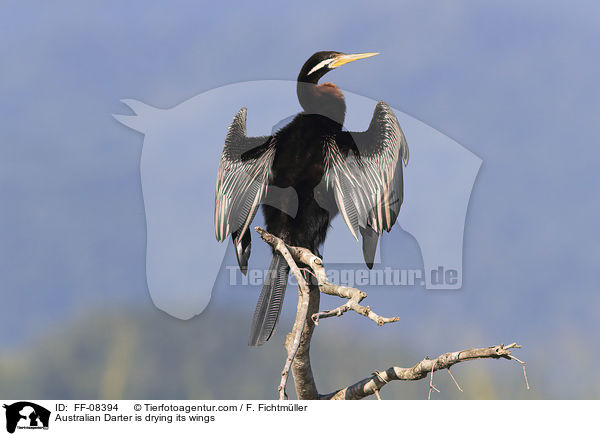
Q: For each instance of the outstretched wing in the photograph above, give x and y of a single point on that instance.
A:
(364, 172)
(242, 183)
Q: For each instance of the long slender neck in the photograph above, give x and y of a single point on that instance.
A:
(324, 99)
(305, 89)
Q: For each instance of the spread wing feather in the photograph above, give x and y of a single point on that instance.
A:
(242, 183)
(364, 171)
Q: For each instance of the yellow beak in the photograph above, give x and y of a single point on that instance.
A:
(345, 58)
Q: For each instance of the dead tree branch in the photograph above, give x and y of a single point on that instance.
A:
(303, 300)
(298, 340)
(426, 367)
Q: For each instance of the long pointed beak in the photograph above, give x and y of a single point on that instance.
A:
(345, 58)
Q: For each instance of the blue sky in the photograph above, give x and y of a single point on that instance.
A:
(515, 83)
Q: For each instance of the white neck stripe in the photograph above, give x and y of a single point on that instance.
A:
(320, 65)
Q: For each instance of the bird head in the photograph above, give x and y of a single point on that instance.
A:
(324, 61)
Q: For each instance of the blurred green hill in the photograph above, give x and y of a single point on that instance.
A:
(121, 354)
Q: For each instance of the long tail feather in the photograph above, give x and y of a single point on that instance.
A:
(270, 301)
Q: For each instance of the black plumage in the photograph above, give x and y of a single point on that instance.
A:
(305, 174)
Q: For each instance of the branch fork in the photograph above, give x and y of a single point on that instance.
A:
(308, 315)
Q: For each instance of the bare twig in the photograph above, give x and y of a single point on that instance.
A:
(454, 380)
(353, 305)
(523, 364)
(431, 386)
